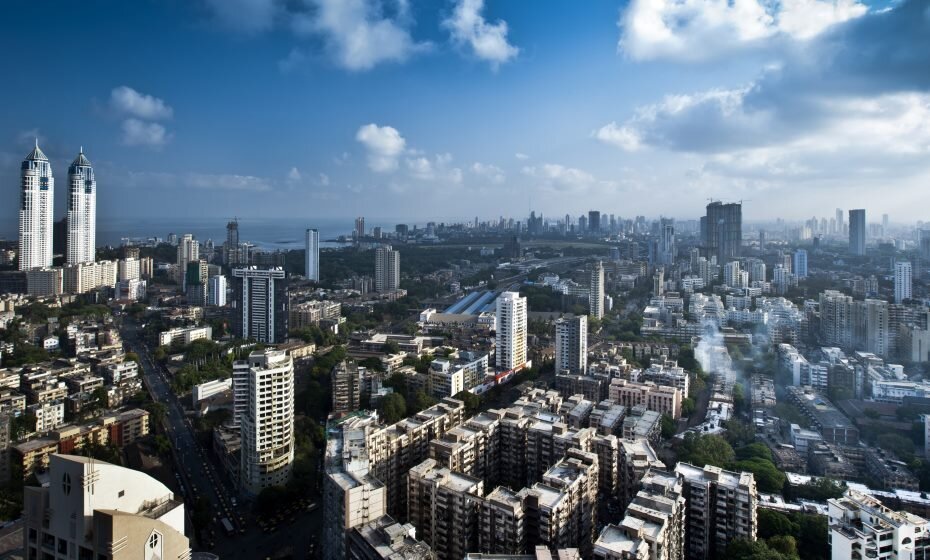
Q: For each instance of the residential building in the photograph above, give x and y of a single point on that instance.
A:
(43, 282)
(216, 292)
(902, 281)
(722, 231)
(312, 256)
(346, 384)
(659, 398)
(184, 335)
(261, 304)
(596, 291)
(188, 251)
(263, 389)
(92, 509)
(857, 229)
(36, 208)
(443, 506)
(82, 211)
(510, 347)
(862, 527)
(571, 345)
(387, 269)
(721, 506)
(800, 263)
(384, 538)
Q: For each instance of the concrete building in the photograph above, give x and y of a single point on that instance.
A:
(312, 312)
(722, 231)
(902, 281)
(82, 211)
(188, 251)
(263, 392)
(36, 210)
(443, 506)
(635, 458)
(384, 538)
(216, 291)
(92, 509)
(44, 282)
(659, 398)
(510, 347)
(862, 527)
(596, 291)
(571, 345)
(857, 230)
(312, 256)
(721, 507)
(800, 263)
(261, 304)
(184, 335)
(346, 385)
(387, 269)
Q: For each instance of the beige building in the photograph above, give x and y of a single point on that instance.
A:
(443, 505)
(92, 509)
(660, 398)
(636, 458)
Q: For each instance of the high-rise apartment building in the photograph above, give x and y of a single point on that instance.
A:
(36, 208)
(857, 232)
(346, 387)
(92, 509)
(835, 320)
(839, 221)
(261, 304)
(594, 221)
(863, 527)
(188, 251)
(721, 507)
(359, 227)
(722, 230)
(263, 392)
(312, 257)
(216, 293)
(231, 249)
(443, 506)
(510, 346)
(571, 345)
(902, 281)
(596, 291)
(800, 263)
(387, 269)
(82, 211)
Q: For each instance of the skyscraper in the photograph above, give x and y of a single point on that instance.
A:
(902, 281)
(359, 227)
(263, 392)
(857, 232)
(387, 269)
(839, 221)
(511, 331)
(594, 221)
(800, 263)
(596, 292)
(37, 204)
(312, 257)
(82, 211)
(261, 304)
(722, 228)
(217, 292)
(571, 345)
(667, 250)
(232, 243)
(188, 251)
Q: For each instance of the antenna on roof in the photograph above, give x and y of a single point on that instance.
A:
(37, 141)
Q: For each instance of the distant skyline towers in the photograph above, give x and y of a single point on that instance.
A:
(510, 345)
(902, 281)
(188, 251)
(36, 209)
(359, 227)
(231, 249)
(594, 221)
(571, 345)
(839, 221)
(82, 211)
(261, 304)
(857, 232)
(596, 291)
(312, 257)
(387, 269)
(722, 230)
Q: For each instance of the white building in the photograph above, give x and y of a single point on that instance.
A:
(49, 415)
(131, 290)
(902, 281)
(188, 251)
(387, 269)
(571, 345)
(129, 269)
(800, 263)
(82, 211)
(510, 345)
(37, 206)
(92, 509)
(312, 258)
(596, 292)
(862, 527)
(216, 294)
(184, 335)
(263, 392)
(210, 388)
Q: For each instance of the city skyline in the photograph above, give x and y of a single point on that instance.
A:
(403, 121)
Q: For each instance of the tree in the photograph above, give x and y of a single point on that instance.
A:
(471, 401)
(391, 347)
(784, 544)
(772, 523)
(669, 426)
(392, 408)
(768, 477)
(133, 357)
(705, 449)
(420, 401)
(687, 407)
(754, 450)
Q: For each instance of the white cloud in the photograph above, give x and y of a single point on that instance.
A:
(323, 180)
(702, 29)
(140, 133)
(492, 173)
(359, 34)
(424, 169)
(488, 41)
(129, 102)
(293, 175)
(521, 156)
(384, 145)
(227, 182)
(560, 176)
(623, 137)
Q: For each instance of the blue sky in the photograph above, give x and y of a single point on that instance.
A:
(456, 108)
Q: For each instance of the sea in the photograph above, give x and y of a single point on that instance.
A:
(264, 233)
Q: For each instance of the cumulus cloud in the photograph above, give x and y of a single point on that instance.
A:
(227, 182)
(694, 30)
(561, 177)
(439, 168)
(129, 102)
(140, 133)
(487, 41)
(521, 156)
(489, 172)
(384, 145)
(359, 33)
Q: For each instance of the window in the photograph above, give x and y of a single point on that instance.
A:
(122, 493)
(153, 541)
